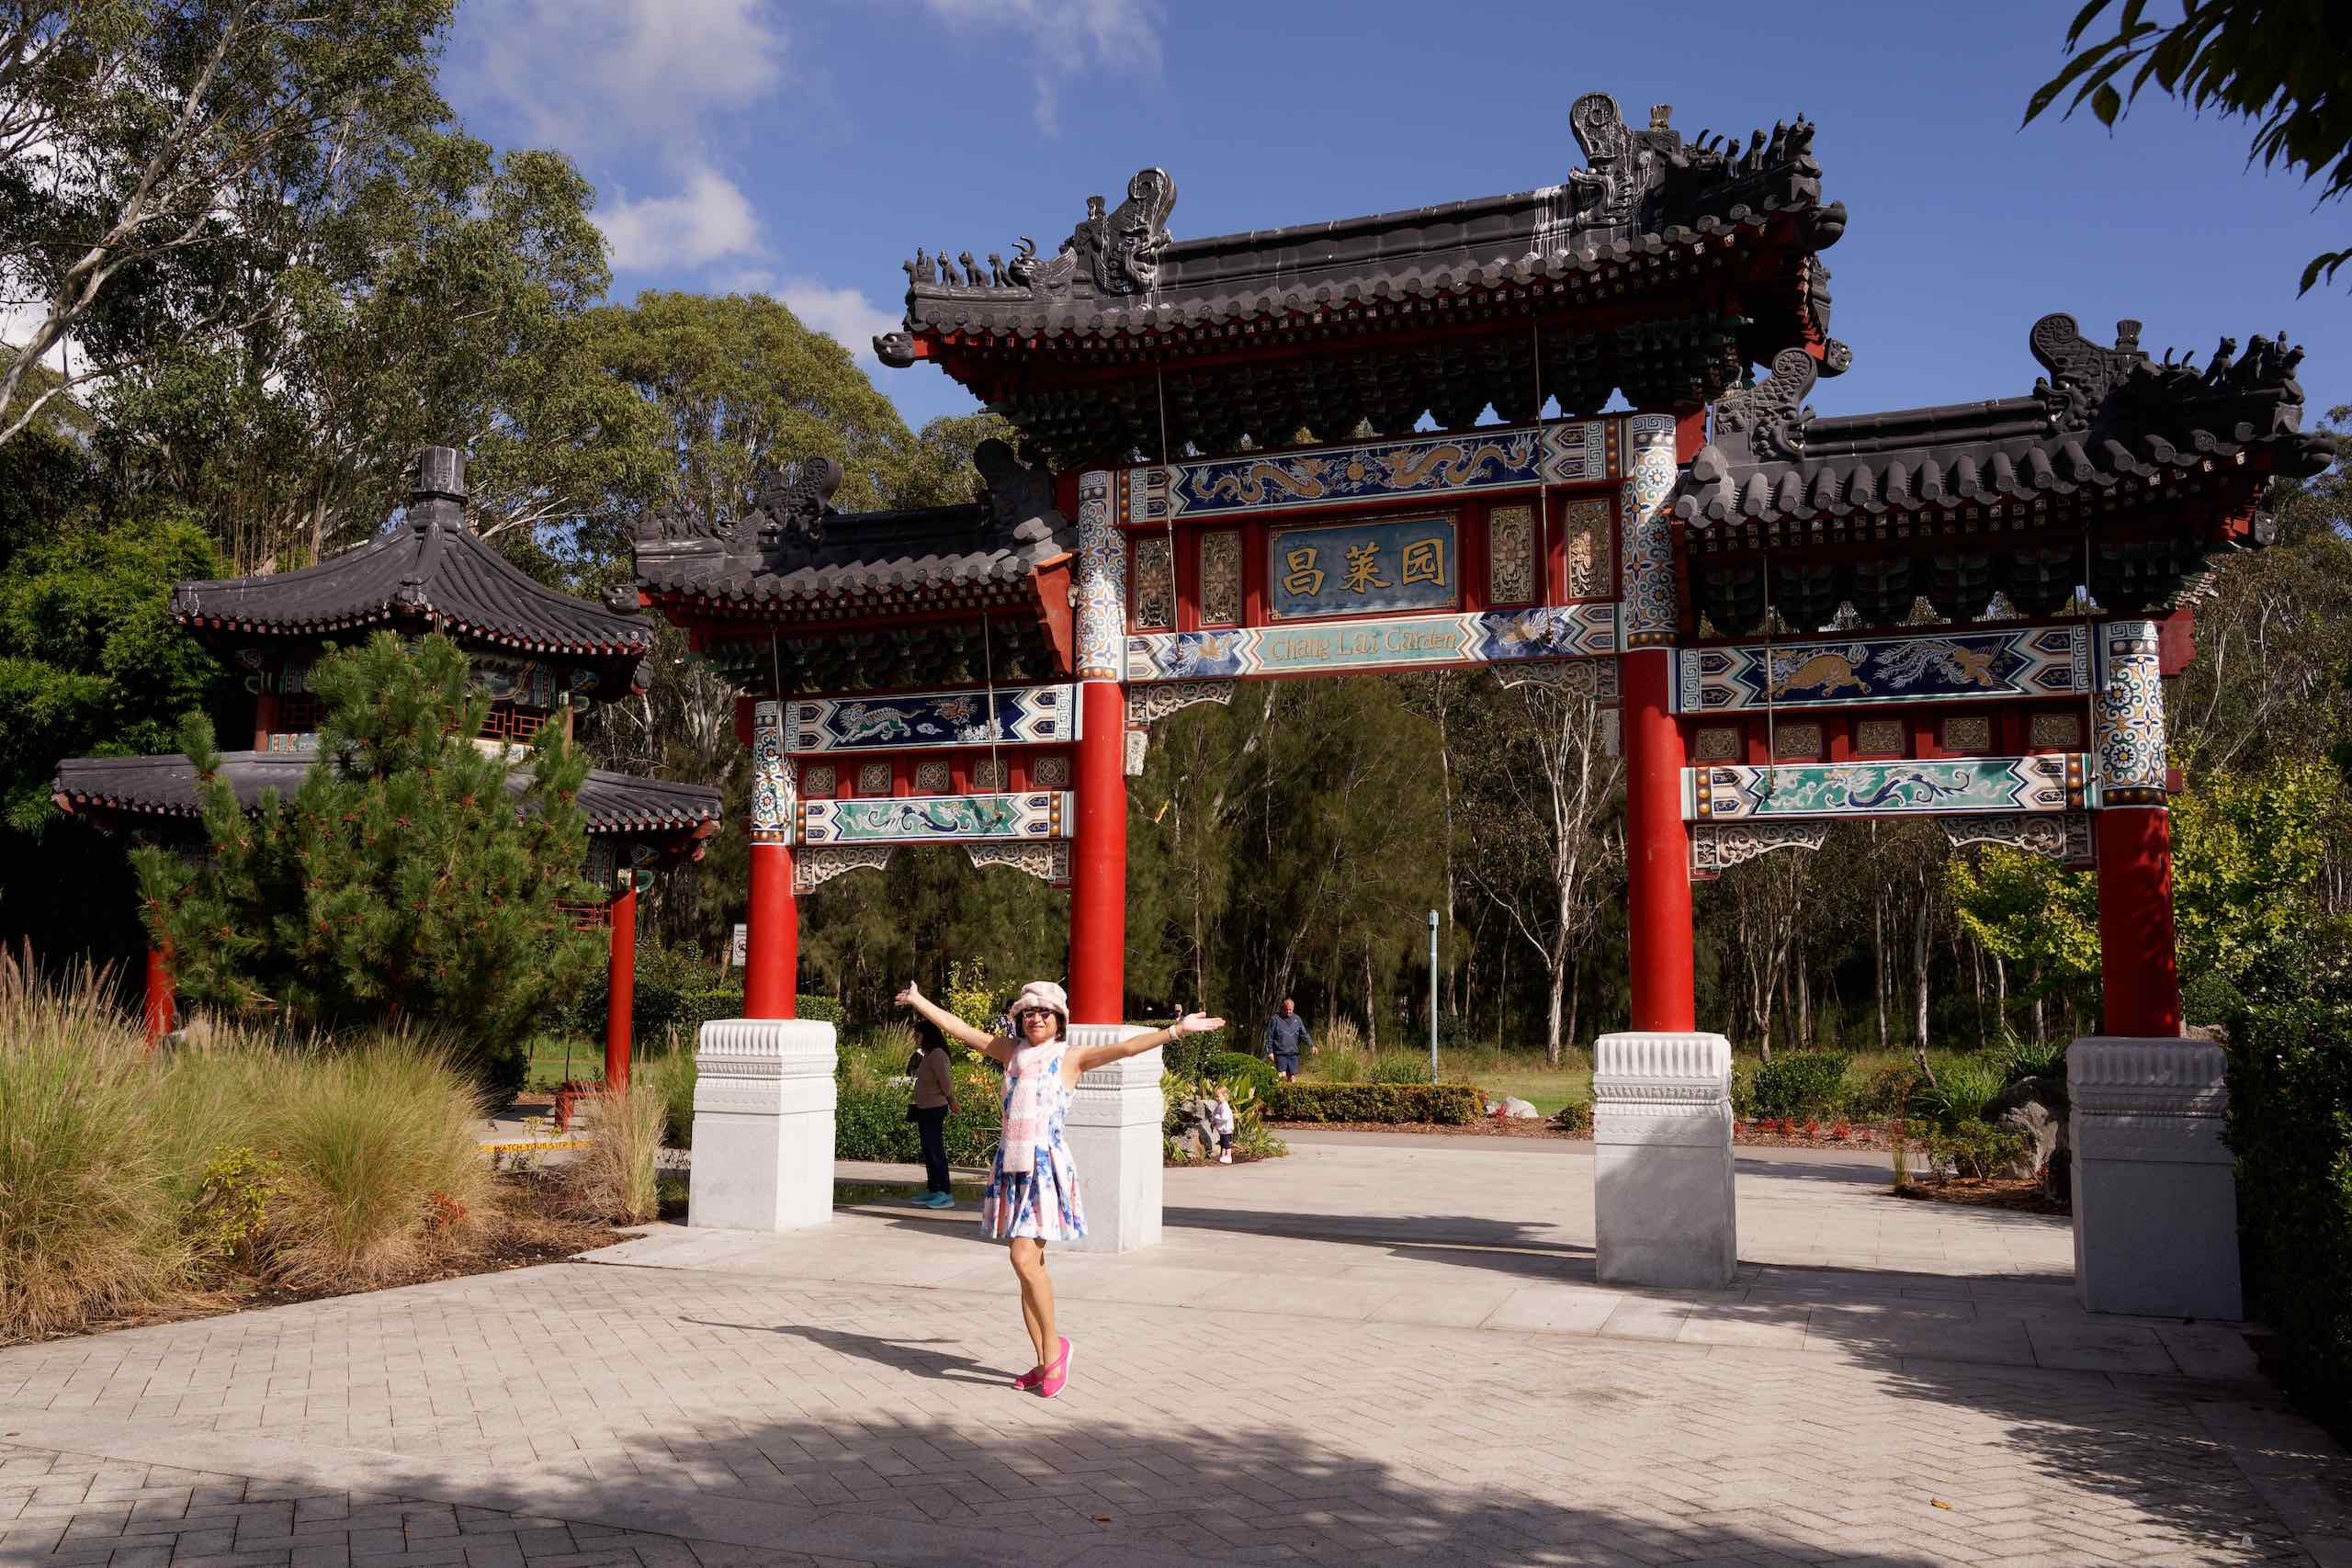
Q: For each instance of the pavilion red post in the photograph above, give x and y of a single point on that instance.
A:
(264, 719)
(772, 946)
(1658, 846)
(1098, 900)
(1098, 904)
(620, 988)
(1657, 841)
(2139, 968)
(160, 1009)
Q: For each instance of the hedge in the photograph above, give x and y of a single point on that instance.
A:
(2290, 1126)
(871, 1124)
(1449, 1104)
(1233, 1067)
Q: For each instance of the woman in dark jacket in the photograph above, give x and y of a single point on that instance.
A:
(934, 1098)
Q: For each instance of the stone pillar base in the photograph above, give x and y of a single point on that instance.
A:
(764, 1125)
(2155, 1191)
(1662, 1201)
(1113, 1130)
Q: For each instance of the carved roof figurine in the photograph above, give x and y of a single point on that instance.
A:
(2155, 465)
(428, 572)
(1664, 268)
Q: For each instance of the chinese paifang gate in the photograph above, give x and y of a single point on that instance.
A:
(2009, 580)
(538, 654)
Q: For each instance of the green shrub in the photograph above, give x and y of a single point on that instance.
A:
(2210, 998)
(2291, 1127)
(1976, 1149)
(1576, 1116)
(1963, 1087)
(1886, 1092)
(1799, 1083)
(1400, 1067)
(1233, 1067)
(2020, 1059)
(870, 1119)
(1448, 1104)
(230, 1209)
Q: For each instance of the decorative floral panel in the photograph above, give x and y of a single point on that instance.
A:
(933, 778)
(1880, 736)
(874, 778)
(1796, 738)
(1154, 584)
(989, 773)
(1510, 554)
(1719, 743)
(1221, 578)
(1050, 772)
(821, 779)
(2057, 731)
(1971, 733)
(1585, 525)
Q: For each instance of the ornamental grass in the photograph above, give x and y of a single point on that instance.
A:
(613, 1179)
(380, 1142)
(88, 1220)
(131, 1179)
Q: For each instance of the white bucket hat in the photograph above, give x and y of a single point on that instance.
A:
(1042, 994)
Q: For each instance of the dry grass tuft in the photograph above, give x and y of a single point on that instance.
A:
(613, 1176)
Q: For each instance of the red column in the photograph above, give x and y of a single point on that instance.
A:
(160, 1012)
(2139, 969)
(1097, 900)
(620, 985)
(772, 946)
(264, 719)
(1658, 845)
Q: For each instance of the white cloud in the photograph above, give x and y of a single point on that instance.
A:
(846, 316)
(708, 219)
(618, 74)
(1065, 37)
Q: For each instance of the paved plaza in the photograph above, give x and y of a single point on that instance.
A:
(1379, 1350)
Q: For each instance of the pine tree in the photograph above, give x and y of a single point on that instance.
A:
(413, 876)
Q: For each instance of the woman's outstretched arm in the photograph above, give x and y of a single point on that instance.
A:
(955, 1028)
(1086, 1058)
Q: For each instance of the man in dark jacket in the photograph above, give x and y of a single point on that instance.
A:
(1286, 1033)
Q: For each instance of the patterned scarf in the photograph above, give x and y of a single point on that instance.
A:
(1028, 1102)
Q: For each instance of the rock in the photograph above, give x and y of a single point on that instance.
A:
(2050, 1091)
(1517, 1109)
(2041, 1130)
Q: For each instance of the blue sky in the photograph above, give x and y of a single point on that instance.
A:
(805, 147)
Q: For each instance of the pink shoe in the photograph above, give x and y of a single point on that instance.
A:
(1030, 1380)
(1057, 1375)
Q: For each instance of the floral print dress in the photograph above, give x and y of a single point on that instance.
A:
(1040, 1203)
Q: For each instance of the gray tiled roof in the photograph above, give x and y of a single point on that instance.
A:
(796, 557)
(429, 572)
(616, 805)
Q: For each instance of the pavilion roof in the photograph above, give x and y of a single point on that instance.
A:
(2150, 466)
(616, 805)
(429, 573)
(872, 599)
(1619, 261)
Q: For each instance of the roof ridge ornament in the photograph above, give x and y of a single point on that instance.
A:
(794, 509)
(2083, 374)
(1770, 417)
(1636, 180)
(1017, 486)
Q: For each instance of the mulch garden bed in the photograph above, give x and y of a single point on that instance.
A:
(2024, 1196)
(1488, 1127)
(528, 1229)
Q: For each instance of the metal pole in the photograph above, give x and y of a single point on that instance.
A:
(1432, 996)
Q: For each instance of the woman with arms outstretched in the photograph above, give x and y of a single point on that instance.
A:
(1032, 1195)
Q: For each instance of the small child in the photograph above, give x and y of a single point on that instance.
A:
(1223, 1111)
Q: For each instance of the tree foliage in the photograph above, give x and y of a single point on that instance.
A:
(408, 877)
(2265, 61)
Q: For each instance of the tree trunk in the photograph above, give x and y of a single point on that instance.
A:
(1575, 996)
(1557, 961)
(1371, 1010)
(1880, 998)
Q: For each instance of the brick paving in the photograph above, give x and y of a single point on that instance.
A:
(839, 1396)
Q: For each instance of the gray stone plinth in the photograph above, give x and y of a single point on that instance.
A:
(1663, 1213)
(2155, 1193)
(1114, 1131)
(763, 1124)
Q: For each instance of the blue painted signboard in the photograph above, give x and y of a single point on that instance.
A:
(1359, 568)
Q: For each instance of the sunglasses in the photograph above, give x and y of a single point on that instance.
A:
(1027, 1013)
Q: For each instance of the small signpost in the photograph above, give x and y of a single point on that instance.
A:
(1432, 996)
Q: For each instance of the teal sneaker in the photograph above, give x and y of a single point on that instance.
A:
(941, 1200)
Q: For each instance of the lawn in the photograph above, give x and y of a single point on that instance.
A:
(1498, 1073)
